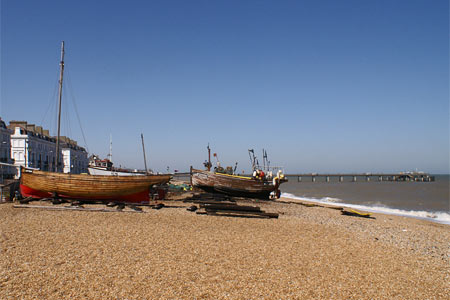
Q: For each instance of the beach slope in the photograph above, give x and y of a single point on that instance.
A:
(307, 253)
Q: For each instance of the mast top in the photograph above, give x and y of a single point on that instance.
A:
(62, 52)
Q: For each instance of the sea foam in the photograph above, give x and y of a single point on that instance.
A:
(438, 217)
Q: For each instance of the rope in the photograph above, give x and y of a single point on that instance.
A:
(51, 105)
(76, 112)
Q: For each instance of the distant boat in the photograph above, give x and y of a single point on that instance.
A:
(126, 189)
(105, 167)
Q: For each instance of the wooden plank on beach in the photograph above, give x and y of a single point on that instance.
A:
(335, 207)
(72, 208)
(299, 203)
(240, 214)
(213, 202)
(256, 213)
(208, 197)
(231, 207)
(237, 214)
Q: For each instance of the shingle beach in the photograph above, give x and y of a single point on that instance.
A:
(171, 253)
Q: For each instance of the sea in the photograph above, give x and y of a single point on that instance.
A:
(423, 200)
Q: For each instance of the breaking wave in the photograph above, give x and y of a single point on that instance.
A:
(438, 217)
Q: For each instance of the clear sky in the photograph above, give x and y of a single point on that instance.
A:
(323, 86)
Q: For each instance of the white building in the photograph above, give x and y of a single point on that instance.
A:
(6, 172)
(31, 146)
(75, 159)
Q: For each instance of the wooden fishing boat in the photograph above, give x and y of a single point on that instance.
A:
(234, 185)
(125, 189)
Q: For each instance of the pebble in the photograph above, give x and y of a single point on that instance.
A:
(172, 253)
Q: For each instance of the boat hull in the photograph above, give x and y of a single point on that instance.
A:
(232, 185)
(126, 189)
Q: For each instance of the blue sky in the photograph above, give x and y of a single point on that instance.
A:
(324, 86)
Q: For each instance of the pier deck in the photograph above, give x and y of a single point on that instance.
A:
(402, 176)
(341, 177)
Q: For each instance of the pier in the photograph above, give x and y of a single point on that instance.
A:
(349, 177)
(365, 177)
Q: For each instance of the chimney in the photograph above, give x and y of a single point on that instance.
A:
(14, 124)
(31, 127)
(39, 130)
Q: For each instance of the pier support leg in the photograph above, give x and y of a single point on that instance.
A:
(380, 178)
(328, 178)
(299, 178)
(354, 178)
(341, 178)
(367, 178)
(313, 179)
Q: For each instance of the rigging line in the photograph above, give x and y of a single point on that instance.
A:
(54, 126)
(66, 105)
(68, 129)
(51, 102)
(77, 114)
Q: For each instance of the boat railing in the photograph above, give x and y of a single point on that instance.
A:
(273, 169)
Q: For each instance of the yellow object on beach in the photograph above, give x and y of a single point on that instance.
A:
(352, 212)
(360, 213)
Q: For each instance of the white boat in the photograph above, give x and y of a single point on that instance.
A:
(105, 167)
(100, 171)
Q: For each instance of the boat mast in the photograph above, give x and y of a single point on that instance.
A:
(61, 65)
(143, 150)
(264, 160)
(253, 160)
(209, 158)
(110, 148)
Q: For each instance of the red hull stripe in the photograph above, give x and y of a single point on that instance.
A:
(141, 197)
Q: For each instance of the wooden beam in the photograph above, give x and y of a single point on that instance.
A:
(254, 213)
(230, 207)
(74, 208)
